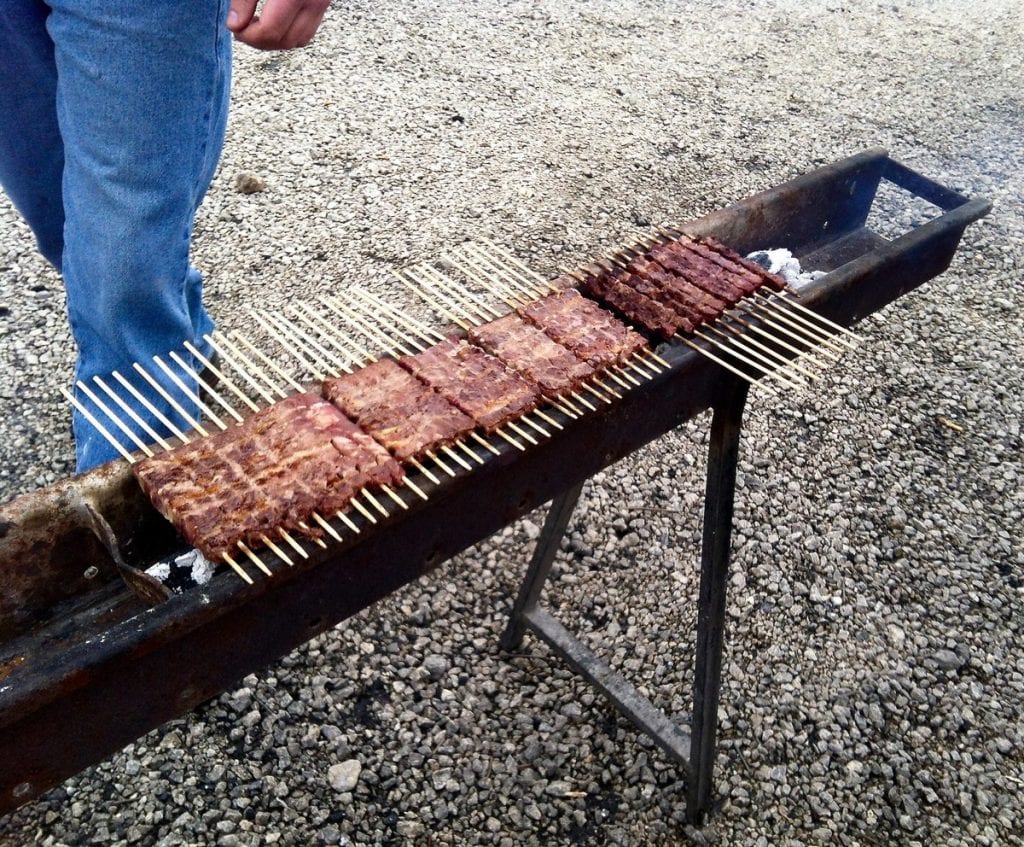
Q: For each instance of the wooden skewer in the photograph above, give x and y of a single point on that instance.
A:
(548, 419)
(222, 344)
(510, 440)
(91, 418)
(308, 531)
(345, 519)
(391, 493)
(359, 305)
(471, 304)
(204, 385)
(802, 354)
(174, 403)
(284, 557)
(221, 376)
(190, 394)
(483, 442)
(415, 488)
(367, 357)
(720, 328)
(128, 410)
(327, 331)
(292, 542)
(359, 507)
(413, 325)
(781, 333)
(366, 493)
(473, 270)
(534, 425)
(440, 464)
(127, 430)
(313, 353)
(365, 324)
(784, 321)
(756, 360)
(790, 300)
(518, 430)
(650, 354)
(153, 410)
(500, 275)
(311, 334)
(231, 563)
(330, 530)
(256, 560)
(726, 365)
(465, 448)
(779, 306)
(423, 470)
(606, 387)
(279, 337)
(499, 255)
(455, 457)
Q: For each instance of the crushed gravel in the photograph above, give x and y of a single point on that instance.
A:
(874, 678)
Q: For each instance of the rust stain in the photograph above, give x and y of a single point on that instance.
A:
(10, 665)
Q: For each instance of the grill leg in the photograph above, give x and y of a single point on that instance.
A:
(557, 520)
(723, 452)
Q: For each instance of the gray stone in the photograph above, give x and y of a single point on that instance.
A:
(343, 776)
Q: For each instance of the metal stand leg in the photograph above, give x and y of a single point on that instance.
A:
(723, 452)
(540, 566)
(695, 750)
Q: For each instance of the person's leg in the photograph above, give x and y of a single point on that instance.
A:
(141, 101)
(31, 149)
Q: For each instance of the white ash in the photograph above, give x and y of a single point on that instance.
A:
(184, 571)
(781, 261)
(160, 571)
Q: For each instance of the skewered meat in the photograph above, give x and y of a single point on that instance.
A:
(691, 267)
(591, 332)
(272, 471)
(706, 305)
(772, 280)
(636, 306)
(477, 383)
(528, 350)
(399, 411)
(659, 292)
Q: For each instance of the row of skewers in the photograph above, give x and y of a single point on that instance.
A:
(401, 404)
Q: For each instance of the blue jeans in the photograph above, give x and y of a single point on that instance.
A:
(112, 119)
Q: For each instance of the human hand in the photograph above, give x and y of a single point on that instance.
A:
(281, 24)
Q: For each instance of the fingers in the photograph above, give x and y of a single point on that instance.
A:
(240, 13)
(281, 24)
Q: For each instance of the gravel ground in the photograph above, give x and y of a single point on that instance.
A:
(873, 676)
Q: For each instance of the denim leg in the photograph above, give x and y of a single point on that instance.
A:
(142, 102)
(31, 149)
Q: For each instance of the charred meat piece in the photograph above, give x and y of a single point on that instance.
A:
(774, 281)
(706, 305)
(592, 333)
(474, 381)
(661, 293)
(712, 265)
(529, 351)
(271, 471)
(637, 307)
(682, 262)
(398, 410)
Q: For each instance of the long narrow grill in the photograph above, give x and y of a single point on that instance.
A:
(536, 350)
